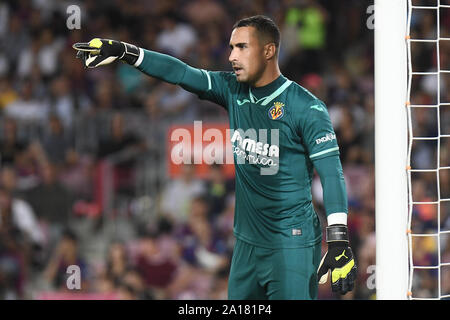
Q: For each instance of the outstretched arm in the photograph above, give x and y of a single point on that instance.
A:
(172, 70)
(206, 84)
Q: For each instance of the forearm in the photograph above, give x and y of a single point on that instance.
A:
(334, 189)
(172, 70)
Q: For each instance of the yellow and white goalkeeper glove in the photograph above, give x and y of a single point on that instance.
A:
(339, 260)
(99, 52)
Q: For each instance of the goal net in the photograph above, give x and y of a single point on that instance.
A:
(428, 161)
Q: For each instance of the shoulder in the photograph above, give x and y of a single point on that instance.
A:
(223, 81)
(301, 101)
(227, 76)
(302, 96)
(221, 78)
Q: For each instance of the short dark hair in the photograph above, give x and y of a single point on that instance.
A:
(265, 27)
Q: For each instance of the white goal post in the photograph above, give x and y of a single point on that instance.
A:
(391, 145)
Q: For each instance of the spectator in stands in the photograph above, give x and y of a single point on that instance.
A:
(16, 234)
(117, 262)
(309, 22)
(183, 189)
(77, 174)
(22, 216)
(62, 102)
(56, 142)
(201, 244)
(10, 145)
(224, 223)
(64, 255)
(218, 188)
(175, 38)
(51, 201)
(28, 163)
(119, 139)
(156, 267)
(47, 56)
(124, 147)
(15, 39)
(349, 139)
(172, 103)
(27, 107)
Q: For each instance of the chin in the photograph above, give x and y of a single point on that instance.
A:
(241, 79)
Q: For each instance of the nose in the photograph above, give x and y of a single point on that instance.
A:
(232, 56)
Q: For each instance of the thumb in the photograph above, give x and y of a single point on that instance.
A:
(98, 60)
(322, 272)
(93, 60)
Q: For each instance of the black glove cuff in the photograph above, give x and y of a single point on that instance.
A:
(131, 53)
(337, 232)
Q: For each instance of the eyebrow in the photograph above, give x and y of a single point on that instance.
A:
(239, 45)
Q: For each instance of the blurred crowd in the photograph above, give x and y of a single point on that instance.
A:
(83, 177)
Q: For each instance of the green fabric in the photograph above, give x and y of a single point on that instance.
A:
(333, 184)
(173, 70)
(267, 274)
(272, 146)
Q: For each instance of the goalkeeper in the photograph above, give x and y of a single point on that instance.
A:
(281, 132)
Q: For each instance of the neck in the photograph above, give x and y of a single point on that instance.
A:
(271, 73)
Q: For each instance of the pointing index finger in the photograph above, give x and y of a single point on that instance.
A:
(83, 46)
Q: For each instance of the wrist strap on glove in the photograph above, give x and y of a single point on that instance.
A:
(337, 232)
(130, 54)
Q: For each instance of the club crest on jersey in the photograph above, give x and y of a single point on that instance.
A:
(277, 111)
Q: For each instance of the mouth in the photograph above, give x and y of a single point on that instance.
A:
(237, 70)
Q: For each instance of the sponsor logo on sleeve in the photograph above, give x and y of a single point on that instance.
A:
(326, 138)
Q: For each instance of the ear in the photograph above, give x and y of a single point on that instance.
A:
(270, 51)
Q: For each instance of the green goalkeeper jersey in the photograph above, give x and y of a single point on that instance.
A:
(278, 133)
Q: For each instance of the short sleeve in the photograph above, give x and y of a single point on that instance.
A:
(317, 131)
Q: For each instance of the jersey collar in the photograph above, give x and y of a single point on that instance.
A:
(269, 91)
